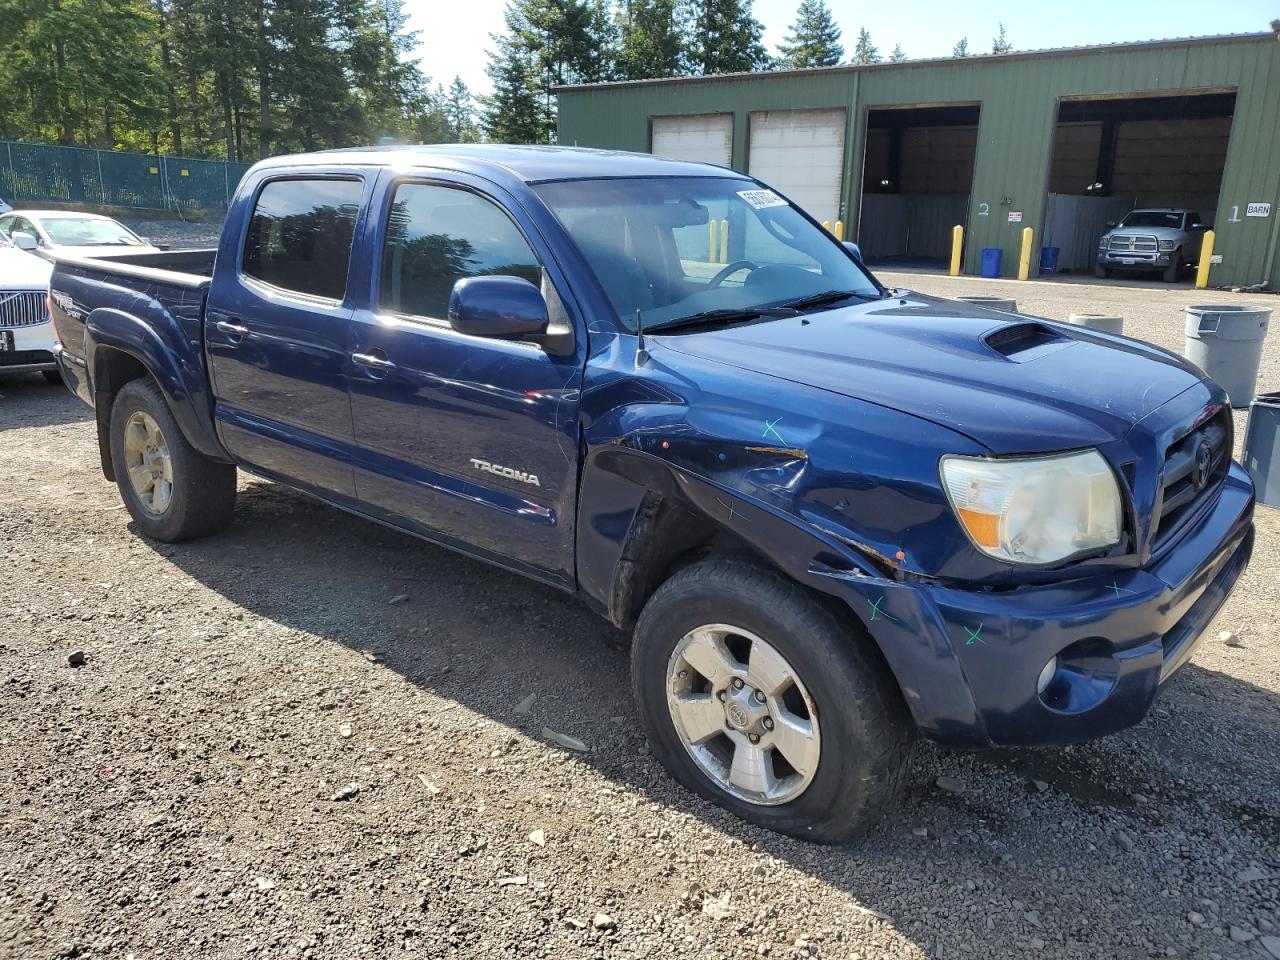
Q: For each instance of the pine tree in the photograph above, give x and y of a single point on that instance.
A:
(514, 112)
(864, 51)
(391, 88)
(897, 56)
(961, 49)
(561, 42)
(1000, 43)
(459, 111)
(814, 40)
(724, 37)
(651, 39)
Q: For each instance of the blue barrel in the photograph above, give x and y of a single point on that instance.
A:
(991, 261)
(1049, 259)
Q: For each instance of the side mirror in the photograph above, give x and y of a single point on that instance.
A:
(1111, 224)
(854, 250)
(497, 307)
(24, 241)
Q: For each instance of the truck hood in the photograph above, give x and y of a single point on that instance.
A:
(1160, 233)
(1012, 383)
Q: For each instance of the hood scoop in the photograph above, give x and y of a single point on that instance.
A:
(1022, 342)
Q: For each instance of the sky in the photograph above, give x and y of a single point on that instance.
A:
(455, 33)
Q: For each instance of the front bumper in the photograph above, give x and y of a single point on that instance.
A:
(968, 661)
(1124, 260)
(32, 349)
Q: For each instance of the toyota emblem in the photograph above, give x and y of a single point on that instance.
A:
(1204, 462)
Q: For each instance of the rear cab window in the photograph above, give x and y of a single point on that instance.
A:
(436, 235)
(300, 235)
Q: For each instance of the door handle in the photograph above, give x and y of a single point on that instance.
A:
(234, 330)
(373, 362)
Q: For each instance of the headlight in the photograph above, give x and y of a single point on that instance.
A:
(1168, 244)
(1035, 509)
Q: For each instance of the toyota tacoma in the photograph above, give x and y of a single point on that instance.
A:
(832, 516)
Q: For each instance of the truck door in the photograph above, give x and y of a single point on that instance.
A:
(470, 440)
(278, 328)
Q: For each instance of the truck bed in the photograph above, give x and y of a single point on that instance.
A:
(186, 268)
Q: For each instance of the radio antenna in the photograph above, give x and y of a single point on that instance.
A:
(642, 355)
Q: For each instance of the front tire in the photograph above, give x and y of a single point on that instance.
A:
(726, 651)
(172, 491)
(1101, 272)
(1172, 271)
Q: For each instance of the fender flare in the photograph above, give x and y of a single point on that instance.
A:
(175, 364)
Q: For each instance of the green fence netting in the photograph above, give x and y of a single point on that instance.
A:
(31, 172)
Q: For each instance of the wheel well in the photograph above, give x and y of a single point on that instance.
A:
(667, 536)
(112, 369)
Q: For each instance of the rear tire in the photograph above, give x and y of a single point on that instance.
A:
(172, 491)
(839, 691)
(53, 376)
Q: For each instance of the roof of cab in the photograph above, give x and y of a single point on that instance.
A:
(531, 164)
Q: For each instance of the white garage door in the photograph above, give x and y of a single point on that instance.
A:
(707, 138)
(801, 153)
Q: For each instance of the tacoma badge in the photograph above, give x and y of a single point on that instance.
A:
(509, 472)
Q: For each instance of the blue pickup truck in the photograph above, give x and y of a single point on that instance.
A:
(832, 516)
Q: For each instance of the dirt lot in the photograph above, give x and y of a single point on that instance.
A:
(310, 736)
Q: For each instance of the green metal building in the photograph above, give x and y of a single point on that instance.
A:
(1063, 141)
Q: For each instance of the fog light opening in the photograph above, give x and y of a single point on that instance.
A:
(1047, 674)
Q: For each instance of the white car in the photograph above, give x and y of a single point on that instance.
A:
(26, 332)
(77, 234)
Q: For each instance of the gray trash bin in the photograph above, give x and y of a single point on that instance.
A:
(1225, 341)
(993, 303)
(1262, 447)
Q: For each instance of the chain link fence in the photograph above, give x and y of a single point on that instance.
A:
(31, 172)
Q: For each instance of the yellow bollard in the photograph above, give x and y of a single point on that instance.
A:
(1206, 260)
(840, 230)
(826, 225)
(724, 241)
(1024, 261)
(957, 244)
(713, 240)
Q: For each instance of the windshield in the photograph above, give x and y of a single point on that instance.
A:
(680, 247)
(1152, 218)
(75, 232)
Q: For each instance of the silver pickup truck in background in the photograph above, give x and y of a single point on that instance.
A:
(1164, 239)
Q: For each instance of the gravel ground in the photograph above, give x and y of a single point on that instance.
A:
(310, 736)
(177, 234)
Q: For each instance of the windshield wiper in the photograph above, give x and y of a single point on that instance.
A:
(824, 298)
(723, 315)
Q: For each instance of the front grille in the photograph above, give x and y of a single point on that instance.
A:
(1129, 244)
(25, 308)
(1189, 476)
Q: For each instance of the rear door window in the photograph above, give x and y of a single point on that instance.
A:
(300, 235)
(438, 235)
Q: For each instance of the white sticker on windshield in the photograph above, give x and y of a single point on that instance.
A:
(762, 198)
